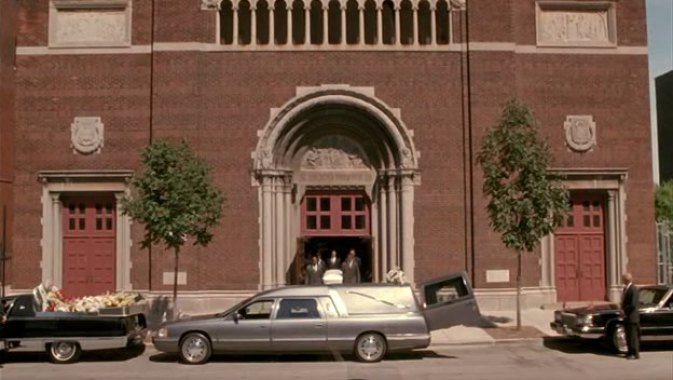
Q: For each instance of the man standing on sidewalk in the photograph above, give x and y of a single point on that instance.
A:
(631, 317)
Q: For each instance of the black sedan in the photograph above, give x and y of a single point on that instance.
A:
(606, 321)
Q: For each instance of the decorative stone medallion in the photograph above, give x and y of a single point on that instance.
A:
(210, 5)
(86, 135)
(580, 132)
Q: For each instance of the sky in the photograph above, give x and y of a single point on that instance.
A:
(660, 42)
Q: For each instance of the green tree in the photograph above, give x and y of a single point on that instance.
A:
(526, 202)
(174, 199)
(663, 203)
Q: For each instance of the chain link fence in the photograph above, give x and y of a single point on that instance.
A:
(664, 254)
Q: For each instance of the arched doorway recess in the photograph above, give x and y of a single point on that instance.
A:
(335, 138)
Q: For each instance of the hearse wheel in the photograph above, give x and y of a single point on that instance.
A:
(63, 352)
(370, 347)
(617, 339)
(195, 349)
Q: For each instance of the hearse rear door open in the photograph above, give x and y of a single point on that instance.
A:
(449, 301)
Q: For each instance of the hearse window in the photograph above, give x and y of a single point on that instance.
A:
(257, 310)
(23, 307)
(378, 300)
(298, 308)
(445, 292)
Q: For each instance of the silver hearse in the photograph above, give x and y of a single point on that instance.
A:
(367, 320)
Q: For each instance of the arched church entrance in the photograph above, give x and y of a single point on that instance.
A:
(336, 170)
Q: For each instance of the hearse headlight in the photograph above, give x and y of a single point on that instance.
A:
(585, 319)
(163, 332)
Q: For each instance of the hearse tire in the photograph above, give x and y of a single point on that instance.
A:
(63, 352)
(195, 348)
(370, 347)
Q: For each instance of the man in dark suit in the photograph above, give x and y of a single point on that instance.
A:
(314, 272)
(334, 261)
(351, 269)
(631, 317)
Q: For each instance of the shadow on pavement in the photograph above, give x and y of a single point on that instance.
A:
(90, 356)
(258, 358)
(596, 346)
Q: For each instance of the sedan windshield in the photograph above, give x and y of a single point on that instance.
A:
(649, 297)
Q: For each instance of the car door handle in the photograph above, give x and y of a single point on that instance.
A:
(262, 326)
(319, 325)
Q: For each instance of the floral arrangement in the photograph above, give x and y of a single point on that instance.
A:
(51, 298)
(396, 276)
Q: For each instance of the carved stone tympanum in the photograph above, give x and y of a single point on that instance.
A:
(333, 152)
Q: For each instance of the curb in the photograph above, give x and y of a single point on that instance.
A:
(494, 342)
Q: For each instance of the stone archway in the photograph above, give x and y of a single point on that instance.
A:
(335, 137)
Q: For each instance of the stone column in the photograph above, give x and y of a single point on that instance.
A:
(433, 14)
(122, 262)
(374, 228)
(612, 258)
(272, 22)
(253, 23)
(361, 24)
(379, 23)
(383, 228)
(57, 241)
(234, 17)
(267, 232)
(307, 22)
(325, 24)
(279, 256)
(398, 23)
(414, 15)
(289, 254)
(407, 226)
(290, 36)
(344, 33)
(393, 224)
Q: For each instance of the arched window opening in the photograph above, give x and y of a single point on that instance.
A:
(334, 22)
(370, 23)
(406, 23)
(244, 23)
(388, 22)
(442, 22)
(262, 22)
(424, 14)
(352, 22)
(226, 22)
(316, 22)
(280, 22)
(298, 22)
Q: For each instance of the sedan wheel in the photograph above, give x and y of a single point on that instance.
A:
(195, 349)
(618, 339)
(63, 352)
(370, 347)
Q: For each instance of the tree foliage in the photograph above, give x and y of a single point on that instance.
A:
(664, 202)
(526, 202)
(174, 196)
(174, 199)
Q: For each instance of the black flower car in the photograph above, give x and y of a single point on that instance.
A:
(606, 321)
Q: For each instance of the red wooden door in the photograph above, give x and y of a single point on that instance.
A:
(580, 251)
(89, 260)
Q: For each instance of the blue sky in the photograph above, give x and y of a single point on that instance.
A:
(660, 41)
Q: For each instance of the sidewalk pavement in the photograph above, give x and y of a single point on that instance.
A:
(461, 335)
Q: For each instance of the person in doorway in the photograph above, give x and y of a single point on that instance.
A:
(334, 261)
(631, 317)
(351, 269)
(314, 272)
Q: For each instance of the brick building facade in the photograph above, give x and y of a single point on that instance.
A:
(329, 125)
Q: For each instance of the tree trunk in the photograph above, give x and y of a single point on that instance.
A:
(518, 290)
(175, 283)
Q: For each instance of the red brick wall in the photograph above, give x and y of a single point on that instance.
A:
(219, 100)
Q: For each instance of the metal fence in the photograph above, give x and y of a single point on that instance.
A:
(664, 253)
